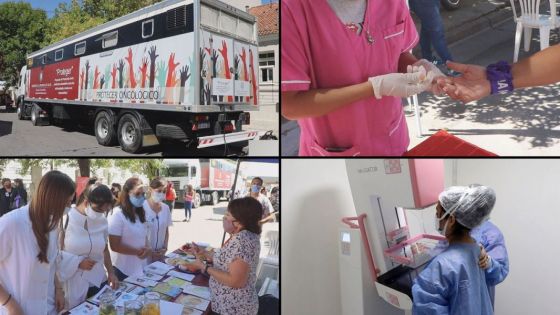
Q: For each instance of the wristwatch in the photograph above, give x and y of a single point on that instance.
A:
(499, 75)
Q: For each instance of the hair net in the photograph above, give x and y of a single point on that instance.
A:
(471, 205)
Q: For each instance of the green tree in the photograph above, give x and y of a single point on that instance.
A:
(148, 167)
(112, 9)
(22, 30)
(70, 19)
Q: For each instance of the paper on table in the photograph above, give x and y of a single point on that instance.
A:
(172, 255)
(95, 299)
(151, 276)
(199, 291)
(167, 289)
(158, 267)
(170, 308)
(85, 309)
(181, 275)
(192, 301)
(141, 281)
(176, 282)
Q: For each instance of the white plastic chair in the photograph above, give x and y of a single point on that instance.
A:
(529, 19)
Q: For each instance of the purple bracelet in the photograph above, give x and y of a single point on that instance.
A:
(499, 75)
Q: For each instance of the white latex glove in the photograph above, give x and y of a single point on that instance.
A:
(433, 73)
(400, 84)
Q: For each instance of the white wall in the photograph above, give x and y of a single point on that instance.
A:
(528, 213)
(315, 196)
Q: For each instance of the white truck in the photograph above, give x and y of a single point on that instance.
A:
(211, 179)
(179, 69)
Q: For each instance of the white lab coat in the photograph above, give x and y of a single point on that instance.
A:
(30, 282)
(133, 235)
(158, 224)
(80, 243)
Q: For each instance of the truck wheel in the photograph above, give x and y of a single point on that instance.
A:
(104, 129)
(130, 134)
(36, 119)
(215, 198)
(197, 200)
(20, 111)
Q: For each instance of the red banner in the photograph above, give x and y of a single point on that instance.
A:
(56, 81)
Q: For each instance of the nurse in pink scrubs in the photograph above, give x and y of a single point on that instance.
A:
(344, 72)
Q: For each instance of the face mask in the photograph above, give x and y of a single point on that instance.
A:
(255, 188)
(438, 220)
(136, 201)
(94, 215)
(158, 196)
(228, 226)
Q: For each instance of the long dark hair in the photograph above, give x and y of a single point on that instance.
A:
(128, 209)
(50, 198)
(248, 211)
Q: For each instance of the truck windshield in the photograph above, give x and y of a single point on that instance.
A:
(180, 171)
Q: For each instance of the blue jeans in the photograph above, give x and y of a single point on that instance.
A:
(432, 32)
(188, 206)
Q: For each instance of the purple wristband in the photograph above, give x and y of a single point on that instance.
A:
(499, 75)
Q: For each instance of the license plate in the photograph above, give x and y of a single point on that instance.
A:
(203, 125)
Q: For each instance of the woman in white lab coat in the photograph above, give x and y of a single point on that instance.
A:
(28, 249)
(128, 231)
(158, 217)
(84, 246)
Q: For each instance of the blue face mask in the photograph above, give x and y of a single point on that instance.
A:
(255, 188)
(136, 201)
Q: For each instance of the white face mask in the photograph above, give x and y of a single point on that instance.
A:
(158, 196)
(93, 215)
(441, 231)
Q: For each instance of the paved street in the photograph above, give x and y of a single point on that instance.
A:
(205, 226)
(526, 122)
(21, 138)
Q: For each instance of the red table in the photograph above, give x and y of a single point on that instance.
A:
(443, 143)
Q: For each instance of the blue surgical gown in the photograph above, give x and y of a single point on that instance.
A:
(452, 283)
(493, 242)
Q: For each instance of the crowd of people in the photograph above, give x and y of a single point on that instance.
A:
(60, 249)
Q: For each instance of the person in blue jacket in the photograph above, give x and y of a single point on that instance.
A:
(494, 257)
(453, 282)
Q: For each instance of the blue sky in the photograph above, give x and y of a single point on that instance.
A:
(50, 5)
(47, 5)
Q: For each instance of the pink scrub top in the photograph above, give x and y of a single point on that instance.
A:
(320, 52)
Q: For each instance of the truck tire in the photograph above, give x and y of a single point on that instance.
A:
(105, 129)
(215, 198)
(20, 111)
(36, 120)
(197, 200)
(129, 134)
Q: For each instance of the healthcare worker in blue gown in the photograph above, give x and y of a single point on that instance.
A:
(453, 282)
(494, 257)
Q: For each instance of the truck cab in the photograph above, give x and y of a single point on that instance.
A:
(182, 172)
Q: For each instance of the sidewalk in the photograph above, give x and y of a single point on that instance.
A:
(526, 122)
